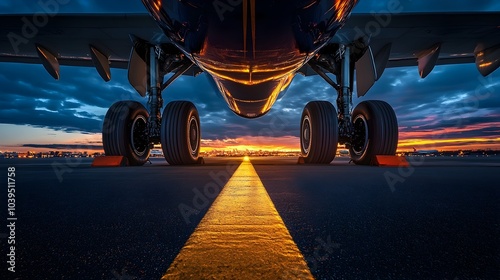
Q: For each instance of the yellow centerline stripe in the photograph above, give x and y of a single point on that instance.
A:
(242, 236)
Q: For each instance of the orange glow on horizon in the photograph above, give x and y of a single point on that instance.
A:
(289, 144)
(450, 144)
(441, 133)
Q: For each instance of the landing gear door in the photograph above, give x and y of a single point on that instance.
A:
(138, 71)
(366, 74)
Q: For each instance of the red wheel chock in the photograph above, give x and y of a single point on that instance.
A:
(110, 161)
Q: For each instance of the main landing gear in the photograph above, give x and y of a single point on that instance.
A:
(370, 129)
(130, 130)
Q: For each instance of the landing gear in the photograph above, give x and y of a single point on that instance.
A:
(370, 130)
(318, 132)
(180, 133)
(125, 132)
(132, 131)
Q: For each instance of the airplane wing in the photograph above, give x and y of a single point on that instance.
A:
(423, 40)
(405, 39)
(412, 35)
(69, 37)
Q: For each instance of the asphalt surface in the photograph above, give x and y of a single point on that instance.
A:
(439, 219)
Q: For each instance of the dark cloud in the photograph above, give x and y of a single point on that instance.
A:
(79, 101)
(452, 97)
(449, 93)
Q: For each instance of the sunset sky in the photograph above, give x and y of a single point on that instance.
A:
(453, 108)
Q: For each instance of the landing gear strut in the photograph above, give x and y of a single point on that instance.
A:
(132, 131)
(370, 129)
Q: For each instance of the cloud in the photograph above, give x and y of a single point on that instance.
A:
(453, 100)
(80, 99)
(42, 102)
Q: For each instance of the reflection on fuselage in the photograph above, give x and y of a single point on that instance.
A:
(251, 48)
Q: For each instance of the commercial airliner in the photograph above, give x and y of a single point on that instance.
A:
(251, 50)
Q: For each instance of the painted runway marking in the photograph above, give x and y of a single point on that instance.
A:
(242, 236)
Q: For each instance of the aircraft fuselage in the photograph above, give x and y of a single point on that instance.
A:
(252, 49)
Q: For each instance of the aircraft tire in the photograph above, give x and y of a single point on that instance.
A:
(124, 132)
(375, 131)
(319, 132)
(180, 133)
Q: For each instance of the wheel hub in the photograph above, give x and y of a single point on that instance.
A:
(193, 135)
(306, 134)
(360, 138)
(139, 140)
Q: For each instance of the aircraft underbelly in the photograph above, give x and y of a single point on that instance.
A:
(251, 48)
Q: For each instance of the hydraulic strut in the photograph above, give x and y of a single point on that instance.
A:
(340, 65)
(344, 99)
(161, 63)
(155, 101)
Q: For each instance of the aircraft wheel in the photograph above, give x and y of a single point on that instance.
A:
(180, 133)
(375, 131)
(319, 132)
(124, 132)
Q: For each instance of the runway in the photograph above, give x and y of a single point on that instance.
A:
(438, 219)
